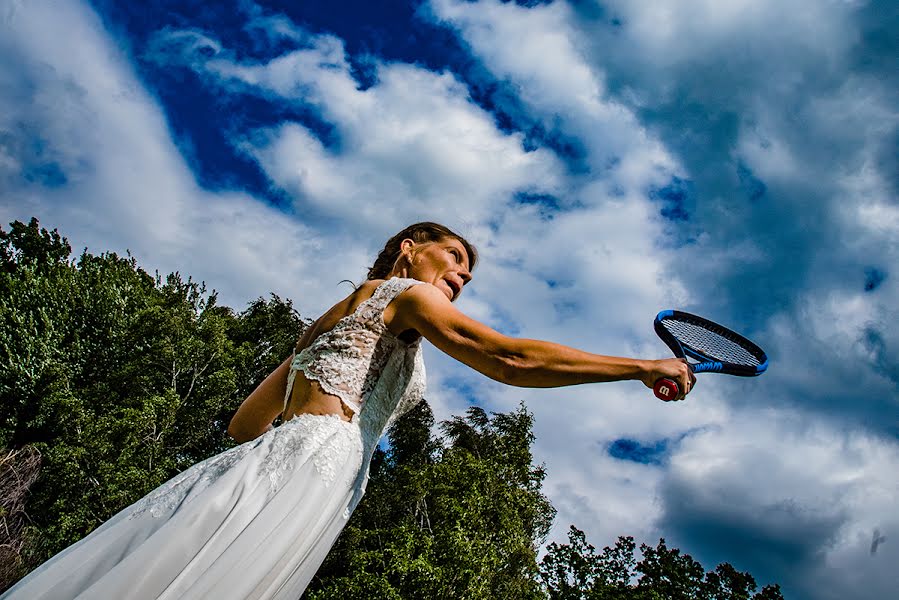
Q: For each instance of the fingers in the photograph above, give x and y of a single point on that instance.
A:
(686, 379)
(676, 370)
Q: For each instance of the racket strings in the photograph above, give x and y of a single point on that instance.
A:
(712, 344)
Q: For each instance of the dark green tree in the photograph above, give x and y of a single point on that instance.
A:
(117, 378)
(575, 571)
(113, 380)
(458, 517)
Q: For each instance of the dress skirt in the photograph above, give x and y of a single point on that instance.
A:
(254, 522)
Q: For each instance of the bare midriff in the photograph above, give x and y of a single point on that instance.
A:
(307, 397)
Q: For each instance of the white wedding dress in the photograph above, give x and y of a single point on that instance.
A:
(257, 520)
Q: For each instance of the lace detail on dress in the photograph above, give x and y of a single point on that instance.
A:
(328, 438)
(347, 361)
(359, 360)
(190, 482)
(415, 391)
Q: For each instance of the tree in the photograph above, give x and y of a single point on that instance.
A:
(18, 470)
(117, 378)
(457, 517)
(575, 571)
(113, 380)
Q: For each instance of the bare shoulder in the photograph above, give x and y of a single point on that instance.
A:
(357, 297)
(415, 305)
(365, 290)
(417, 298)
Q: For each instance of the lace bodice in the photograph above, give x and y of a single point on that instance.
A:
(360, 356)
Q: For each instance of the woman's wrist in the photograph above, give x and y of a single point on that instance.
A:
(644, 370)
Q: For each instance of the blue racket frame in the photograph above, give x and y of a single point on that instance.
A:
(706, 363)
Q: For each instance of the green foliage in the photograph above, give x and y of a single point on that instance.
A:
(575, 571)
(460, 517)
(119, 379)
(113, 380)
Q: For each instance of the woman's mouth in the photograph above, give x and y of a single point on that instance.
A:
(454, 288)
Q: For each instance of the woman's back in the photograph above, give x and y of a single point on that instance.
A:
(307, 395)
(257, 520)
(341, 356)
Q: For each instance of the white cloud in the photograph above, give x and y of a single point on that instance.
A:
(775, 491)
(415, 136)
(677, 89)
(546, 65)
(410, 146)
(126, 185)
(541, 53)
(700, 90)
(705, 31)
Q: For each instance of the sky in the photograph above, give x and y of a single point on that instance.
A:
(609, 160)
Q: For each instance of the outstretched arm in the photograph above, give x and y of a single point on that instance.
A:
(517, 361)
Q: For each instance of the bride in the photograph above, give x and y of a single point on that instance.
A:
(257, 520)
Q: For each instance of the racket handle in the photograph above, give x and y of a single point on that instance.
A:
(666, 389)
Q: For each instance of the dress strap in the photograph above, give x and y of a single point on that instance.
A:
(390, 289)
(291, 376)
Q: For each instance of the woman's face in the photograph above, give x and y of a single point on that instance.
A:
(443, 263)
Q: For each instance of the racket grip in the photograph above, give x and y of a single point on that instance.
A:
(666, 389)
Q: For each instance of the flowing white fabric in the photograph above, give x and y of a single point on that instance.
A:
(256, 521)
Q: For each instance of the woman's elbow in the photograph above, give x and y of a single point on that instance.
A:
(238, 433)
(235, 434)
(512, 370)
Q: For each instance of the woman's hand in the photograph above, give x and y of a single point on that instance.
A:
(675, 369)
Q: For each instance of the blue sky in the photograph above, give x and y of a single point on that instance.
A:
(610, 159)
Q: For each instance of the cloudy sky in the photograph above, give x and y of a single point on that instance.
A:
(737, 159)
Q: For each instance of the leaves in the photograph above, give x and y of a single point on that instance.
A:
(575, 571)
(458, 517)
(118, 380)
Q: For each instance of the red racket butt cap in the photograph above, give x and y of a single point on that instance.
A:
(666, 389)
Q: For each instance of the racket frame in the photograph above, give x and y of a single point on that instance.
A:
(667, 389)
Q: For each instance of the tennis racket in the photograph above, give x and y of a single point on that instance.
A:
(713, 347)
